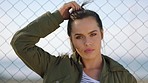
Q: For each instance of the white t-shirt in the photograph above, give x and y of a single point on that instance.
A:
(87, 79)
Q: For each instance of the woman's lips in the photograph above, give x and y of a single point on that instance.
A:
(89, 50)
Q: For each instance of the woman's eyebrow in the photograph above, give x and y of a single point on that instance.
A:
(88, 33)
(77, 34)
(93, 31)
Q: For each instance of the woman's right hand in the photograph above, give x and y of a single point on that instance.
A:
(64, 10)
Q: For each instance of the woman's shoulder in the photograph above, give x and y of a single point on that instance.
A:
(113, 64)
(115, 68)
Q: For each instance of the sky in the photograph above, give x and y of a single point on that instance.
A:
(125, 27)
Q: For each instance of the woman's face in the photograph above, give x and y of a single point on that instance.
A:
(86, 37)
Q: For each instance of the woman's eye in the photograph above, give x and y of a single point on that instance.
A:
(93, 34)
(79, 37)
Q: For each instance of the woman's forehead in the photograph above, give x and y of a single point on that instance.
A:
(84, 25)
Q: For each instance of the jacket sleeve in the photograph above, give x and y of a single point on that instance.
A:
(131, 78)
(24, 42)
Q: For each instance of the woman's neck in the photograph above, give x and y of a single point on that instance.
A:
(93, 67)
(95, 63)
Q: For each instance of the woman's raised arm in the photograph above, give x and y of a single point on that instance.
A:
(25, 39)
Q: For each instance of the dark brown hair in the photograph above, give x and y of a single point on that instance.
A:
(80, 14)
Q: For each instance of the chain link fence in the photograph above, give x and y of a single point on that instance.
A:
(125, 35)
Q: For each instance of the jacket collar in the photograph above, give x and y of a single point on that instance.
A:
(109, 65)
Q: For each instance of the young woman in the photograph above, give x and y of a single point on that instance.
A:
(86, 65)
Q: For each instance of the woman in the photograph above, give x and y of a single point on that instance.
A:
(86, 65)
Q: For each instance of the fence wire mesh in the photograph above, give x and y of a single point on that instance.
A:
(125, 35)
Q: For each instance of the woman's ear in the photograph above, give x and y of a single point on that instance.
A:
(102, 34)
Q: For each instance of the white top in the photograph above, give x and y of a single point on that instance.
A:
(87, 79)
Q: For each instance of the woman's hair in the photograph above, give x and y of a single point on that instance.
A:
(80, 14)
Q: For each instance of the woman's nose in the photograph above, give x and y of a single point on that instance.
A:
(88, 42)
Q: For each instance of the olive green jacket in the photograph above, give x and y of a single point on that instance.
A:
(61, 69)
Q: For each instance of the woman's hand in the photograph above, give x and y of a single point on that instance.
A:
(64, 10)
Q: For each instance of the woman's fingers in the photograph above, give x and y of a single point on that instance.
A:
(75, 6)
(72, 5)
(64, 10)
